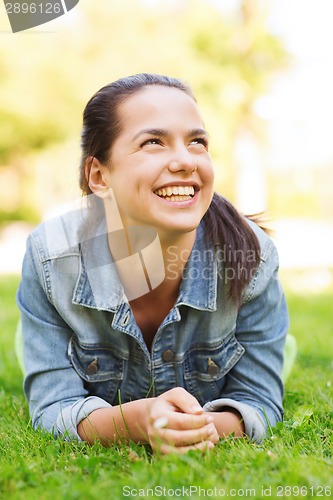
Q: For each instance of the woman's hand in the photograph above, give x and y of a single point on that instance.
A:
(176, 423)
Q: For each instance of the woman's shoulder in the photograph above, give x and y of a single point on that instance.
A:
(268, 265)
(265, 241)
(62, 231)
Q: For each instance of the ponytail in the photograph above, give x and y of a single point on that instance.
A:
(239, 245)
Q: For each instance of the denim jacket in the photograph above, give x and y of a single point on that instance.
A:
(83, 349)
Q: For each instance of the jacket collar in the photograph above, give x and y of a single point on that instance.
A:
(199, 285)
(99, 287)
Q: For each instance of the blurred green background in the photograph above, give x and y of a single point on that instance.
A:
(263, 86)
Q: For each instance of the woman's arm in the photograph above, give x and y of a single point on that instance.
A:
(172, 422)
(228, 422)
(55, 392)
(117, 423)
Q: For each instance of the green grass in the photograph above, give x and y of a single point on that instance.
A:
(294, 461)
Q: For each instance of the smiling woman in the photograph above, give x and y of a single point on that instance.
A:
(199, 347)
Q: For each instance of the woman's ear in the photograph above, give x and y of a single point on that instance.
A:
(96, 175)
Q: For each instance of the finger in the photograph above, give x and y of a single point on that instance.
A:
(160, 422)
(183, 421)
(186, 437)
(183, 400)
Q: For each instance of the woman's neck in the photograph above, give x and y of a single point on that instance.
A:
(176, 252)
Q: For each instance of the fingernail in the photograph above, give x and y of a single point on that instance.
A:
(196, 409)
(209, 419)
(160, 423)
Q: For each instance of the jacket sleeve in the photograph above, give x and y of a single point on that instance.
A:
(254, 387)
(56, 395)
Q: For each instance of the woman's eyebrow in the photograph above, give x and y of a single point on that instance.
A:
(198, 131)
(160, 132)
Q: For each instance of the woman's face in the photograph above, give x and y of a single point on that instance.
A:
(161, 172)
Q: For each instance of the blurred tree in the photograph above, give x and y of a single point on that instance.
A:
(240, 58)
(46, 79)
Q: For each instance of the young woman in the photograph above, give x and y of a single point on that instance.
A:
(153, 312)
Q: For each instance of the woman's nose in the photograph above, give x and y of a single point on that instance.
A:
(182, 161)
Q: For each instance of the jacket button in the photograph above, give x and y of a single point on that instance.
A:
(93, 367)
(168, 355)
(213, 368)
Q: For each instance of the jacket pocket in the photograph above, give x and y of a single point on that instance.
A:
(206, 366)
(101, 368)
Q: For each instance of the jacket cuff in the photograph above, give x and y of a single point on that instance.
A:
(70, 417)
(254, 425)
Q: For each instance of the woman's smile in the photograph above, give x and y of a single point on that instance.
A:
(177, 193)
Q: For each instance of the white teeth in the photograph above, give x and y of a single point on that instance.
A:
(178, 198)
(179, 191)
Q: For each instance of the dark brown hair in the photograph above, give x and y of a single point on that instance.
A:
(225, 226)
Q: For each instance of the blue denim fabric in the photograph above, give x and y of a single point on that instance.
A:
(83, 349)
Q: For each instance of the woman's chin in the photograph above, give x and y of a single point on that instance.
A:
(174, 228)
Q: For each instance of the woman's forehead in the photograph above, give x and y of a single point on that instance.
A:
(157, 102)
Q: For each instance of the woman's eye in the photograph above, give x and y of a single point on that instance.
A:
(151, 141)
(200, 140)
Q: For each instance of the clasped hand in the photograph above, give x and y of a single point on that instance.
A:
(176, 423)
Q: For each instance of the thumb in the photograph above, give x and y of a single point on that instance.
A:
(184, 401)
